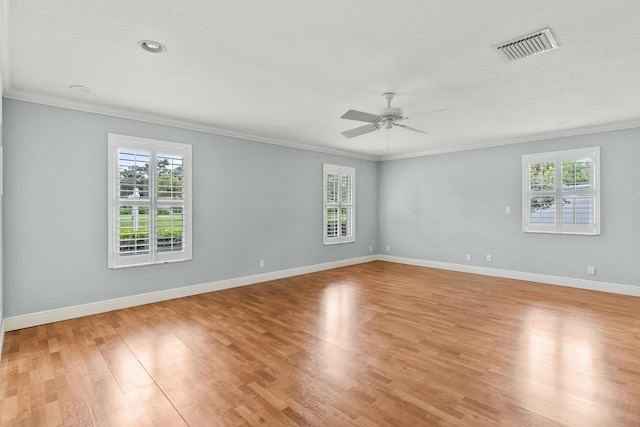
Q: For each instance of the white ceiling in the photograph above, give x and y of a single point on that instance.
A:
(284, 71)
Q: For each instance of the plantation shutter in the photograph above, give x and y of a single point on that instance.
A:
(133, 201)
(332, 204)
(149, 198)
(346, 205)
(561, 192)
(338, 204)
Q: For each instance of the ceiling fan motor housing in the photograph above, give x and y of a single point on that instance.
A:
(392, 113)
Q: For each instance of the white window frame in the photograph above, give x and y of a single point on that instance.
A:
(591, 154)
(153, 147)
(340, 171)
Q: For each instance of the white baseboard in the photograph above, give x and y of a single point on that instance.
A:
(1, 336)
(519, 275)
(56, 315)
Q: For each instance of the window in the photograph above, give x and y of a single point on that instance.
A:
(149, 201)
(339, 184)
(561, 192)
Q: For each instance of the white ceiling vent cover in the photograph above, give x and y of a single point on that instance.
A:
(531, 44)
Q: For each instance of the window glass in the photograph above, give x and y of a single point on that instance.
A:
(570, 207)
(149, 201)
(338, 204)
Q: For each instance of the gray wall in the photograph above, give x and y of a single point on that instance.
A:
(442, 207)
(257, 201)
(252, 201)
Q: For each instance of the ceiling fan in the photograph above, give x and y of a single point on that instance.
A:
(388, 118)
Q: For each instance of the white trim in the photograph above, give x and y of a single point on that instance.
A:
(558, 192)
(153, 148)
(57, 315)
(1, 337)
(587, 130)
(340, 171)
(18, 95)
(571, 282)
(85, 107)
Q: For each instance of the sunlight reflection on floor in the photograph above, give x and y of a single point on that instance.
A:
(554, 356)
(340, 308)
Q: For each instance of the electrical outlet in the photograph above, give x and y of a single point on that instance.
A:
(507, 210)
(591, 269)
(469, 257)
(488, 258)
(388, 248)
(370, 248)
(261, 263)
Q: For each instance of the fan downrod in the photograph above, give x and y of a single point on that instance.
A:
(388, 96)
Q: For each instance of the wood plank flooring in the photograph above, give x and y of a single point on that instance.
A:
(376, 344)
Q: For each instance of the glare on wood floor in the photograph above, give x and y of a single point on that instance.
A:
(372, 344)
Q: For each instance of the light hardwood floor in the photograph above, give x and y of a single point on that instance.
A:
(373, 344)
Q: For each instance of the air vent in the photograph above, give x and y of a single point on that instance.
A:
(531, 44)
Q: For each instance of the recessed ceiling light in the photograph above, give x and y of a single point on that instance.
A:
(80, 88)
(151, 46)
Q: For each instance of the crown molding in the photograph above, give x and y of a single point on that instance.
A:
(168, 121)
(585, 130)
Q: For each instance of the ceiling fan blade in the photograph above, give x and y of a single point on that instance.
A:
(410, 128)
(359, 130)
(430, 112)
(360, 116)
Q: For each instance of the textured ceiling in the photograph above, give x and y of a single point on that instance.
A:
(284, 71)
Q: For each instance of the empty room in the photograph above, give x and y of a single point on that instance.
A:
(336, 213)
